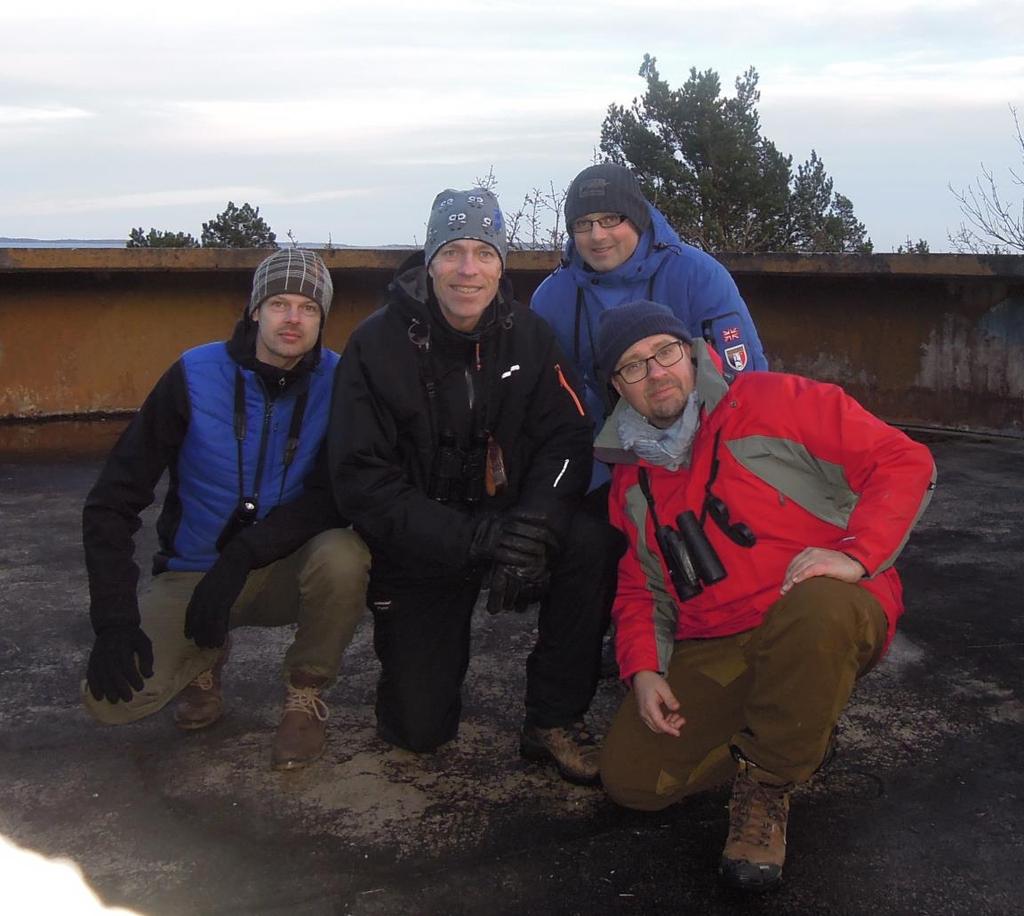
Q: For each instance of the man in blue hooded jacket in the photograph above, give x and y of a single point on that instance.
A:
(621, 249)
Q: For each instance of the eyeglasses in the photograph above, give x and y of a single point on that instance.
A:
(307, 309)
(737, 532)
(665, 356)
(608, 221)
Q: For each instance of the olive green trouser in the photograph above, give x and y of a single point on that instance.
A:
(774, 692)
(321, 587)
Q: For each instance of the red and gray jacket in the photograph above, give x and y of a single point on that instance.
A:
(802, 464)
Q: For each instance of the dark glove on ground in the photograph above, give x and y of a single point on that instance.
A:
(518, 538)
(113, 673)
(206, 620)
(512, 589)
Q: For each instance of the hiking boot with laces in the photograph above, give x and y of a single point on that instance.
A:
(302, 734)
(756, 847)
(201, 703)
(571, 748)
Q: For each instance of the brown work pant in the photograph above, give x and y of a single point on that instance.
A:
(774, 693)
(321, 587)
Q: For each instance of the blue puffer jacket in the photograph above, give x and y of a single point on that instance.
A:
(208, 463)
(663, 268)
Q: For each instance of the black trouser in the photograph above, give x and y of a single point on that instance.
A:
(422, 633)
(595, 504)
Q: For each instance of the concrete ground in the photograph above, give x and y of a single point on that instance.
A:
(920, 813)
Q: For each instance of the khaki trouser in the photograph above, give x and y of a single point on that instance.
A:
(774, 692)
(321, 587)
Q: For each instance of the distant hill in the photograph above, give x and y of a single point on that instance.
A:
(121, 243)
(61, 243)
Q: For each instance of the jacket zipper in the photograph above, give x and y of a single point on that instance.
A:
(565, 384)
(268, 412)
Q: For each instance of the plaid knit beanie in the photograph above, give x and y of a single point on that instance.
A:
(622, 326)
(292, 270)
(472, 214)
(607, 188)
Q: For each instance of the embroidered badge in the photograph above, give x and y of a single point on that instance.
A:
(736, 357)
(731, 334)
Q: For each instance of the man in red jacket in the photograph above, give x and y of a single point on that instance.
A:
(763, 518)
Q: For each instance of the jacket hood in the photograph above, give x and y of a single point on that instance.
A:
(710, 385)
(651, 250)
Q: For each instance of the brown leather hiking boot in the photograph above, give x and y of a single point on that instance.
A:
(201, 703)
(302, 735)
(571, 748)
(756, 847)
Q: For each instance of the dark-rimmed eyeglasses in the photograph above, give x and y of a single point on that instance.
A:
(608, 221)
(665, 356)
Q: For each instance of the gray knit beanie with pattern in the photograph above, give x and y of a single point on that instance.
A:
(292, 270)
(472, 214)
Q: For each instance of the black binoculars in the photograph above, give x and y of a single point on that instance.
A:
(692, 561)
(458, 474)
(246, 512)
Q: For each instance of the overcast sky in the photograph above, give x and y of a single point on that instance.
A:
(343, 120)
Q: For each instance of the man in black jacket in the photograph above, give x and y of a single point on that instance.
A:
(239, 425)
(460, 448)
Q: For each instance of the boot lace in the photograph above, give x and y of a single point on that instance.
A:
(579, 734)
(307, 701)
(203, 680)
(756, 808)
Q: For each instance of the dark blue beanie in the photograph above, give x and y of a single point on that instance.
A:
(622, 326)
(607, 188)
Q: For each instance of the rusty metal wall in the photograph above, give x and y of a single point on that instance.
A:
(932, 340)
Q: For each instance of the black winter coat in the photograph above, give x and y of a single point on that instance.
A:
(509, 377)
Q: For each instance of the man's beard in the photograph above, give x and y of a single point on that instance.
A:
(665, 412)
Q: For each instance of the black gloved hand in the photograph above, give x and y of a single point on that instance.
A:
(519, 538)
(206, 619)
(513, 589)
(112, 672)
(485, 538)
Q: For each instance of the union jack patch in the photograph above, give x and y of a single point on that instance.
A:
(736, 357)
(731, 334)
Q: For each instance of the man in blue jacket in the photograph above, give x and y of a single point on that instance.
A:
(243, 541)
(622, 249)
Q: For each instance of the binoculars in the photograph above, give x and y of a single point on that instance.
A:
(458, 474)
(692, 561)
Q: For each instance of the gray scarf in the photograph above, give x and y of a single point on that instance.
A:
(669, 448)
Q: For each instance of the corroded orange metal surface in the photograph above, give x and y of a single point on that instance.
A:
(934, 339)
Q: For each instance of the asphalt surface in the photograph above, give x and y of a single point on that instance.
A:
(920, 813)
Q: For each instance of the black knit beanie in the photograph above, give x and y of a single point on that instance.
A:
(607, 188)
(621, 327)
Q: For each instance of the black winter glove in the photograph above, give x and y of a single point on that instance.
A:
(112, 671)
(206, 620)
(512, 589)
(519, 538)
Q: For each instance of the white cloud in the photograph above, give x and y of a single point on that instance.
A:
(229, 100)
(140, 201)
(901, 81)
(22, 115)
